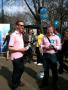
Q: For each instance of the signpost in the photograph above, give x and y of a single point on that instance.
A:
(4, 29)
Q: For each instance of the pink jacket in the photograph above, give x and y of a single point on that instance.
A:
(55, 41)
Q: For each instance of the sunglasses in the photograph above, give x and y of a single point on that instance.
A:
(21, 25)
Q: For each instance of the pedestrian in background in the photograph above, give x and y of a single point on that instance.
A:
(29, 38)
(64, 54)
(32, 41)
(38, 51)
(6, 42)
(59, 53)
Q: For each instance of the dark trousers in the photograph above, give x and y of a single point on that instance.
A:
(18, 69)
(50, 60)
(39, 56)
(28, 55)
(60, 59)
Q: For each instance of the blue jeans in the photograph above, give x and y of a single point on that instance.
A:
(50, 60)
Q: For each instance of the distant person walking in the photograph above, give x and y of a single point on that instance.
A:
(38, 43)
(59, 53)
(64, 54)
(29, 38)
(6, 42)
(32, 40)
(17, 49)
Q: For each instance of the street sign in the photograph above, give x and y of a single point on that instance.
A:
(4, 29)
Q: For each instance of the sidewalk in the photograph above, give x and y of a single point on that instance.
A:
(29, 77)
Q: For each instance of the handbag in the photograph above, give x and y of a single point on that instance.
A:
(51, 44)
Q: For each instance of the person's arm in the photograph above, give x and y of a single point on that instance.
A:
(12, 49)
(58, 45)
(43, 44)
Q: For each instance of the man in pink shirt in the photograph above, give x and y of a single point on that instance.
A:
(17, 49)
(50, 44)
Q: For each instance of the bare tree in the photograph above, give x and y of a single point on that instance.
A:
(55, 10)
(2, 10)
(37, 4)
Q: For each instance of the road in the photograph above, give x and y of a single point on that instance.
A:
(29, 77)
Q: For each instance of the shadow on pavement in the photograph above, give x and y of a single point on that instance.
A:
(62, 84)
(6, 73)
(31, 72)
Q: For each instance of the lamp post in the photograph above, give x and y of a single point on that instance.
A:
(2, 13)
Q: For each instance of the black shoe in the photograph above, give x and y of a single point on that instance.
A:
(16, 88)
(21, 84)
(55, 88)
(43, 85)
(60, 71)
(13, 88)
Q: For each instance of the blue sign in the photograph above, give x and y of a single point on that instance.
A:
(4, 29)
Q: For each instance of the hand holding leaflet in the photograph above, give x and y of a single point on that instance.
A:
(27, 47)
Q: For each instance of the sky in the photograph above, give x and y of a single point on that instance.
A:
(17, 6)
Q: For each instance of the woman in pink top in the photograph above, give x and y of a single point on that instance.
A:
(50, 44)
(16, 47)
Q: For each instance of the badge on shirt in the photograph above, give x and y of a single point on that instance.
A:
(52, 41)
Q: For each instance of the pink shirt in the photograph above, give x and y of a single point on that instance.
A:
(17, 42)
(55, 41)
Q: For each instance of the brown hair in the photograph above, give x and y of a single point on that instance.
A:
(17, 22)
(50, 26)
